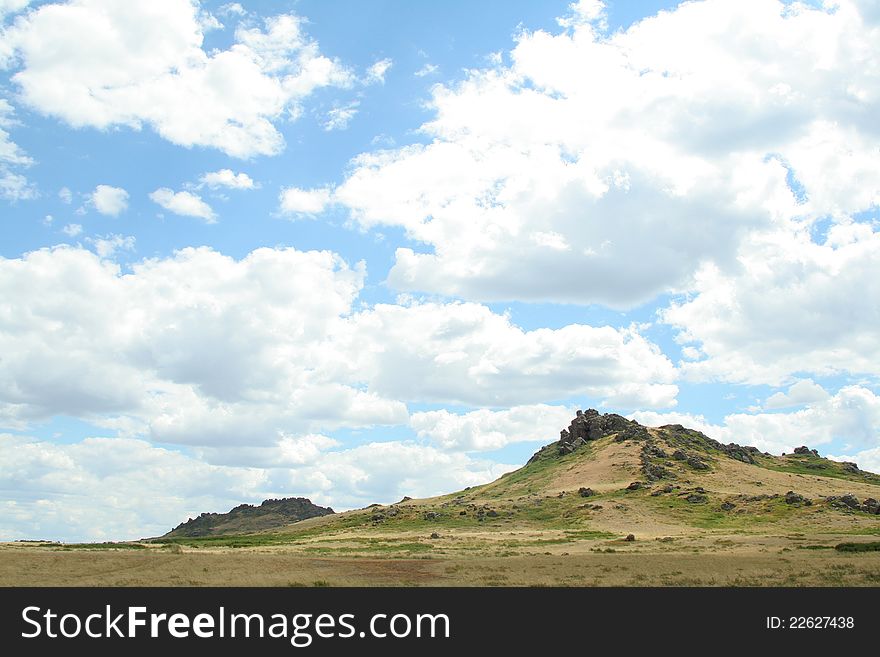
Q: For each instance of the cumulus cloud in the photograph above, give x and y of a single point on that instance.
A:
(609, 168)
(72, 230)
(194, 334)
(109, 200)
(296, 201)
(226, 178)
(100, 63)
(804, 391)
(791, 306)
(184, 203)
(464, 353)
(485, 430)
(851, 417)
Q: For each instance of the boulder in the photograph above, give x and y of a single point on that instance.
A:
(794, 498)
(696, 498)
(586, 492)
(848, 501)
(871, 505)
(696, 463)
(630, 538)
(653, 472)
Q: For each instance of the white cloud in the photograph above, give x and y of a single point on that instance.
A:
(804, 391)
(226, 178)
(106, 247)
(791, 306)
(649, 151)
(338, 118)
(232, 9)
(13, 185)
(65, 195)
(294, 200)
(12, 6)
(484, 430)
(463, 353)
(109, 200)
(72, 230)
(376, 72)
(186, 204)
(100, 63)
(851, 416)
(427, 69)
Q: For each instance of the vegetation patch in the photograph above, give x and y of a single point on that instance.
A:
(858, 547)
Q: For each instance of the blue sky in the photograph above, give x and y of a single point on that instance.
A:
(356, 250)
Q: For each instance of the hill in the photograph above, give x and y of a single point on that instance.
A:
(247, 518)
(611, 502)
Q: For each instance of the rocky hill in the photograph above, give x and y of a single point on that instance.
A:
(247, 518)
(607, 475)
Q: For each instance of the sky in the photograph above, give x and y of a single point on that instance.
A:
(353, 251)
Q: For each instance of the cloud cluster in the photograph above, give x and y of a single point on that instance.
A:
(118, 488)
(791, 306)
(13, 185)
(609, 167)
(203, 349)
(100, 63)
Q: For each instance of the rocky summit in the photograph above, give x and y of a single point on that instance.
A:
(245, 518)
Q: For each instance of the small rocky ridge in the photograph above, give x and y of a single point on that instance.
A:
(248, 517)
